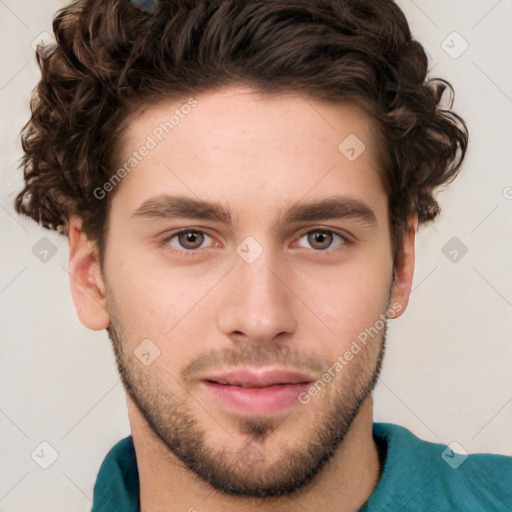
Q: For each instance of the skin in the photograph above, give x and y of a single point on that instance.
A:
(298, 304)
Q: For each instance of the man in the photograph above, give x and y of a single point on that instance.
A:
(241, 184)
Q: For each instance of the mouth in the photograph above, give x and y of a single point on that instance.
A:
(263, 391)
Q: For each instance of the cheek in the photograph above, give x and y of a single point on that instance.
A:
(348, 298)
(159, 304)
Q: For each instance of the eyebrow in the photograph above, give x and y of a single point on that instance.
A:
(165, 206)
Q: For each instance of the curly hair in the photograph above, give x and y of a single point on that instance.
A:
(112, 57)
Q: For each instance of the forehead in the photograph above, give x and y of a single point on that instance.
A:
(236, 145)
(239, 114)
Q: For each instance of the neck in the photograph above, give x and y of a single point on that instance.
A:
(344, 484)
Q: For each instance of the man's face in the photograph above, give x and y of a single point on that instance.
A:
(266, 291)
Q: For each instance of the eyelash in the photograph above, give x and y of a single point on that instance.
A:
(196, 252)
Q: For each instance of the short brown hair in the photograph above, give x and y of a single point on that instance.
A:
(113, 57)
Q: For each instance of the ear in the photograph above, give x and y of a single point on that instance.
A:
(404, 269)
(85, 279)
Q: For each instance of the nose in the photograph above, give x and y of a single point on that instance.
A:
(256, 304)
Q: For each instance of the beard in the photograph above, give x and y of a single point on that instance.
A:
(244, 470)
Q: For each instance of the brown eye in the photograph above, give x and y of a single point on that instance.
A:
(190, 239)
(320, 239)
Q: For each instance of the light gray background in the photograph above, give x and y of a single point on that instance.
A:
(447, 372)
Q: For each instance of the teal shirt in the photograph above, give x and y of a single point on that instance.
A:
(417, 476)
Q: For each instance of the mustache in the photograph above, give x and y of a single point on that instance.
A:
(253, 355)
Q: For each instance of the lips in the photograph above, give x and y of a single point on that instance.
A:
(252, 378)
(264, 391)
